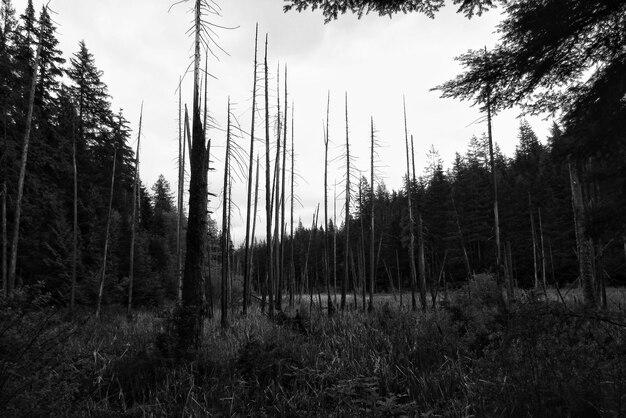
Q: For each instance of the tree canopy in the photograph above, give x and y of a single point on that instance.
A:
(333, 8)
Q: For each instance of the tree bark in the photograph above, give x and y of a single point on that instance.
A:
(191, 322)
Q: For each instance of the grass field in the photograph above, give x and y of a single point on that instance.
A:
(467, 358)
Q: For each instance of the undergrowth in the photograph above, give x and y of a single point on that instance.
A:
(468, 358)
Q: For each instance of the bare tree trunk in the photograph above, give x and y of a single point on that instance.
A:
(282, 203)
(268, 200)
(74, 223)
(583, 243)
(181, 180)
(292, 261)
(465, 256)
(191, 324)
(543, 258)
(496, 212)
(344, 283)
(409, 186)
(372, 254)
(22, 175)
(532, 227)
(133, 221)
(3, 192)
(106, 237)
(400, 278)
(256, 201)
(420, 240)
(326, 256)
(335, 244)
(246, 266)
(225, 230)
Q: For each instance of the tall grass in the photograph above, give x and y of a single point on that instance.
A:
(468, 358)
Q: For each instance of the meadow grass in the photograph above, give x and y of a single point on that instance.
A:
(469, 357)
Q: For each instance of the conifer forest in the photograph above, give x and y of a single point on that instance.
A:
(489, 284)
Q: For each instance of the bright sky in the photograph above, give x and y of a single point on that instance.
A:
(143, 49)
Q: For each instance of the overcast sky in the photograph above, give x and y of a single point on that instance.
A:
(143, 49)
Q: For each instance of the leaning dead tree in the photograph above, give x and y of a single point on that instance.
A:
(133, 221)
(22, 175)
(106, 237)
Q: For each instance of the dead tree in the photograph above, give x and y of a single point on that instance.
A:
(346, 273)
(409, 186)
(496, 213)
(268, 198)
(246, 263)
(225, 226)
(372, 254)
(106, 237)
(22, 175)
(133, 221)
(191, 322)
(74, 222)
(421, 264)
(583, 242)
(282, 203)
(291, 262)
(329, 302)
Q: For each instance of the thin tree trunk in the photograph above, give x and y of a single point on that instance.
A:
(496, 212)
(133, 221)
(543, 258)
(191, 324)
(335, 244)
(276, 200)
(181, 179)
(420, 240)
(399, 277)
(292, 262)
(106, 236)
(372, 254)
(225, 230)
(409, 186)
(268, 199)
(465, 256)
(256, 201)
(532, 227)
(74, 223)
(583, 243)
(326, 256)
(22, 175)
(246, 266)
(344, 283)
(282, 202)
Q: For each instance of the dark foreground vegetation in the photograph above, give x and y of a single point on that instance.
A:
(467, 358)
